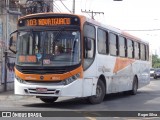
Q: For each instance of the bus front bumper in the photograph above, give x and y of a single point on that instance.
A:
(73, 89)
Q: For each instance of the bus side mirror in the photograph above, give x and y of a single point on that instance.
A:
(88, 44)
(12, 42)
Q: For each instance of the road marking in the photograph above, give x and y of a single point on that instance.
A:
(91, 118)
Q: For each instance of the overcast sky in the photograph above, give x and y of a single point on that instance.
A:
(125, 15)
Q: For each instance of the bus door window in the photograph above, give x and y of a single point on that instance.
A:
(89, 45)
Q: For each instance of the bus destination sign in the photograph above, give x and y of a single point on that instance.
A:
(48, 21)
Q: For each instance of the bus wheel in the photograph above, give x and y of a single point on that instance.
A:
(134, 87)
(49, 99)
(100, 93)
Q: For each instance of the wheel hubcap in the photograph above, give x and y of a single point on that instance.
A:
(98, 91)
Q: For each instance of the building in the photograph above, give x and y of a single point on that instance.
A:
(9, 12)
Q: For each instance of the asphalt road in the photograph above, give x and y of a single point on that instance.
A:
(147, 99)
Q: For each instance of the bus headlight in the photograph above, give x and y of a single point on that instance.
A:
(70, 79)
(20, 80)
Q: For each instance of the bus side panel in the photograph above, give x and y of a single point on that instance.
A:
(142, 70)
(105, 66)
(90, 80)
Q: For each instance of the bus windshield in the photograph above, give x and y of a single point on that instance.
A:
(48, 48)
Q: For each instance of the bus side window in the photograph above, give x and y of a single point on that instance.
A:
(126, 53)
(102, 42)
(139, 46)
(113, 44)
(147, 52)
(130, 48)
(142, 52)
(133, 49)
(122, 46)
(136, 50)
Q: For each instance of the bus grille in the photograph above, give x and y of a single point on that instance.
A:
(49, 91)
(42, 71)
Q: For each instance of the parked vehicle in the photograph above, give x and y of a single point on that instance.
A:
(152, 72)
(156, 73)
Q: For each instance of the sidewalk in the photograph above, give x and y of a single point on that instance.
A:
(10, 92)
(9, 95)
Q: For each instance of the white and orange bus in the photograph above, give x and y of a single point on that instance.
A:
(71, 55)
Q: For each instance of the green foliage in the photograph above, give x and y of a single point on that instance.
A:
(155, 61)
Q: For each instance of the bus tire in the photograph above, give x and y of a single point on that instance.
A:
(100, 93)
(134, 86)
(48, 99)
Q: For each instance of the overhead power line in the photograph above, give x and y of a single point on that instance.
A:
(92, 13)
(65, 6)
(56, 6)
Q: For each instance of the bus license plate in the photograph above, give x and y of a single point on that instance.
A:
(41, 90)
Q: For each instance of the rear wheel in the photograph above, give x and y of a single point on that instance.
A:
(100, 93)
(134, 86)
(49, 99)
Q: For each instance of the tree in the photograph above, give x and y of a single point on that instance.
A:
(155, 61)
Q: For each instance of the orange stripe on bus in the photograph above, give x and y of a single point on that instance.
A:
(122, 63)
(49, 77)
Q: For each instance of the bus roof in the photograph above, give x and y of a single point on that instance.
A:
(84, 18)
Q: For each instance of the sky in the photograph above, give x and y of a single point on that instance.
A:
(138, 17)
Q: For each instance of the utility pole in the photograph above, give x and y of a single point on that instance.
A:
(6, 45)
(92, 13)
(8, 12)
(73, 7)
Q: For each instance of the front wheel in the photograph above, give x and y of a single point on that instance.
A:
(49, 99)
(100, 93)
